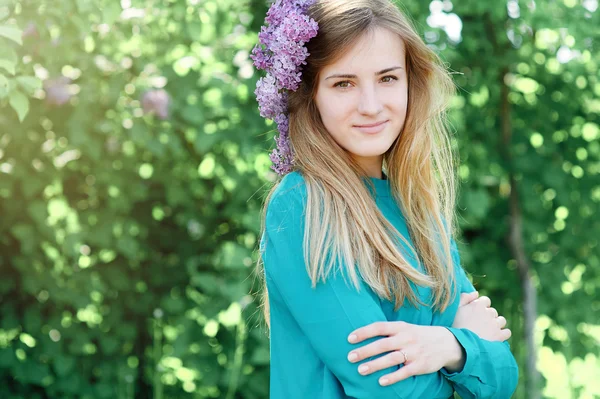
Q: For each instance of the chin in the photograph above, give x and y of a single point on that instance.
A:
(372, 151)
(369, 153)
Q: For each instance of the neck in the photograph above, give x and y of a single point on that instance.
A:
(376, 175)
(372, 166)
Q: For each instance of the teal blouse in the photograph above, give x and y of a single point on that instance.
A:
(309, 327)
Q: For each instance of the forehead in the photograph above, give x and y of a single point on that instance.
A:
(373, 51)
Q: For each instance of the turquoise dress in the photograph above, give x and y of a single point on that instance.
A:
(309, 327)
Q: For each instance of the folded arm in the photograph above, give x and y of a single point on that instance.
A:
(328, 313)
(490, 369)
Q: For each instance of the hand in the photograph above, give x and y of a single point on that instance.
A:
(427, 349)
(478, 316)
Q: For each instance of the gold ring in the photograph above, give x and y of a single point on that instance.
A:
(405, 357)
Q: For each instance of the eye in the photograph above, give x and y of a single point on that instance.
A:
(342, 83)
(392, 78)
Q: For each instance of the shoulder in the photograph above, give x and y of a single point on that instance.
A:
(289, 192)
(286, 207)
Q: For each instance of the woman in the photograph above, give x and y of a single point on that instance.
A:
(359, 261)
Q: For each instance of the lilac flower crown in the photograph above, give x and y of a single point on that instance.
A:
(281, 53)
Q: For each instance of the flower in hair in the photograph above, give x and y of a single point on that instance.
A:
(281, 53)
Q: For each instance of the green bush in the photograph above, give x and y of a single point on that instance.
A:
(133, 165)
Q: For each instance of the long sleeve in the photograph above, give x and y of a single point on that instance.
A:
(490, 369)
(328, 313)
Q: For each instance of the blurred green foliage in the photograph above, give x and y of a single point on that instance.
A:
(133, 164)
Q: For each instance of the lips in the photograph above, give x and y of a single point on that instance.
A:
(372, 124)
(372, 128)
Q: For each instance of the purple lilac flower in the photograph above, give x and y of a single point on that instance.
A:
(281, 53)
(271, 102)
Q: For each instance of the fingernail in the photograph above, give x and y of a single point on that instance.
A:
(352, 356)
(352, 338)
(383, 381)
(363, 368)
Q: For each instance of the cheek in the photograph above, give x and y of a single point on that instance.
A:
(402, 106)
(330, 112)
(399, 98)
(337, 109)
(333, 117)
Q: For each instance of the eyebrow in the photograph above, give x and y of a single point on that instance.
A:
(347, 76)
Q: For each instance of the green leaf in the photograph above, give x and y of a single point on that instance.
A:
(111, 12)
(29, 83)
(109, 344)
(12, 33)
(9, 60)
(260, 356)
(20, 104)
(104, 390)
(6, 285)
(63, 365)
(7, 357)
(84, 6)
(36, 372)
(4, 13)
(3, 86)
(207, 281)
(8, 66)
(477, 201)
(32, 320)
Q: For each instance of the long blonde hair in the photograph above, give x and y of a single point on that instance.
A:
(340, 211)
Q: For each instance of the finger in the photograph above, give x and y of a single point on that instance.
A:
(501, 321)
(464, 299)
(377, 329)
(391, 359)
(382, 345)
(505, 334)
(493, 311)
(403, 373)
(484, 300)
(467, 297)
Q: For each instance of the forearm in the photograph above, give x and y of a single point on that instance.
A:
(490, 370)
(455, 356)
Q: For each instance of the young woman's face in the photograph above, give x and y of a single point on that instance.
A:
(367, 86)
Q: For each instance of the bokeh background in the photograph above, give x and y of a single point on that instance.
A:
(133, 166)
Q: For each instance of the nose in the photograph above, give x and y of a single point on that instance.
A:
(369, 102)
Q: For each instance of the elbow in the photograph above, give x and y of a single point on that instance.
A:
(503, 386)
(512, 381)
(508, 379)
(506, 385)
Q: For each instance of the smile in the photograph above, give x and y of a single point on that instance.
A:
(372, 128)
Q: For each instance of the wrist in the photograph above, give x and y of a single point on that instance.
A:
(455, 359)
